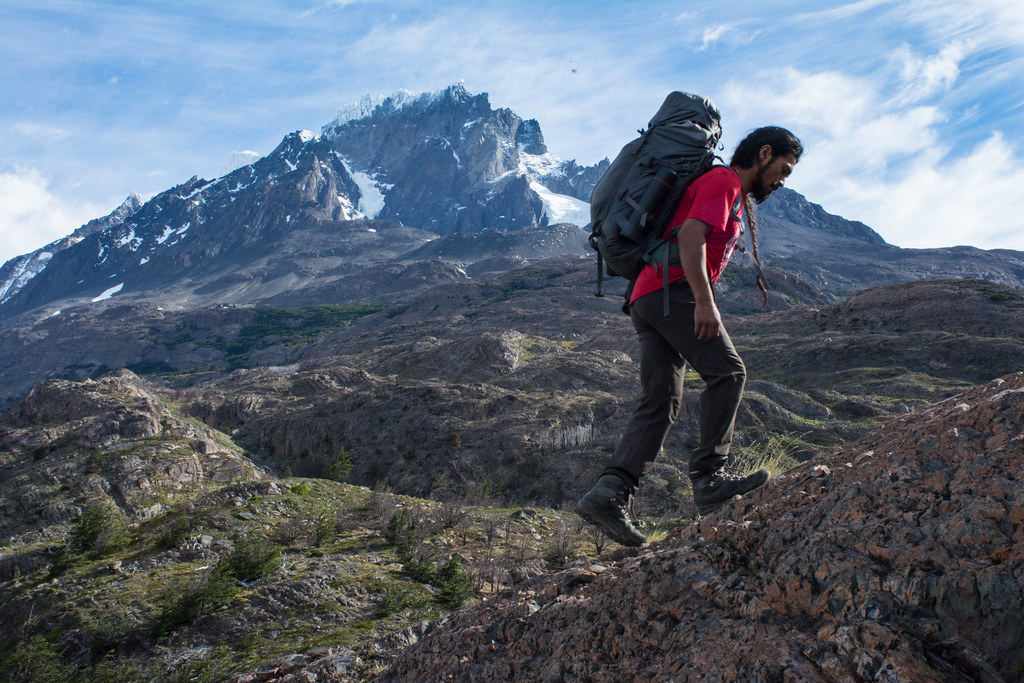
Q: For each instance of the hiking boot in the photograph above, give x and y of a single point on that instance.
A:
(714, 489)
(605, 506)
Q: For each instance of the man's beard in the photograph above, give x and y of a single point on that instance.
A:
(761, 191)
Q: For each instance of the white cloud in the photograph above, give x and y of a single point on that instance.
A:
(40, 131)
(876, 160)
(941, 201)
(31, 216)
(843, 12)
(923, 77)
(713, 35)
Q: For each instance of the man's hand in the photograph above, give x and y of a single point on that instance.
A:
(707, 321)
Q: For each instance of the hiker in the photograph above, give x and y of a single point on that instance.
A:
(709, 221)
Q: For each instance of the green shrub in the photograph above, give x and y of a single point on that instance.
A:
(301, 489)
(400, 532)
(340, 468)
(100, 530)
(63, 560)
(173, 533)
(252, 558)
(35, 661)
(325, 528)
(217, 589)
(420, 567)
(455, 584)
(113, 669)
(395, 600)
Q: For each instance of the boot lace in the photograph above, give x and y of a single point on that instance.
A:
(730, 473)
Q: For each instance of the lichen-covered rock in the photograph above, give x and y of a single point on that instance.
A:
(897, 558)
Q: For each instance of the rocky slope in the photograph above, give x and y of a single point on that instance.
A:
(898, 557)
(462, 384)
(881, 338)
(137, 544)
(421, 397)
(68, 443)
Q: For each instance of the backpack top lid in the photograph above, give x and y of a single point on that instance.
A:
(682, 107)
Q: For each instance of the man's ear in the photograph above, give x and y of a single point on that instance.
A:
(765, 153)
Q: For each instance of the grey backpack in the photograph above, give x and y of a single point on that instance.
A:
(638, 194)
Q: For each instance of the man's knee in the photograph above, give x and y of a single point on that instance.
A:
(734, 377)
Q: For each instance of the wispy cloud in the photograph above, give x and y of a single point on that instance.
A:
(37, 130)
(713, 34)
(32, 215)
(926, 76)
(890, 165)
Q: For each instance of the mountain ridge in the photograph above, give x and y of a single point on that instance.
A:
(443, 163)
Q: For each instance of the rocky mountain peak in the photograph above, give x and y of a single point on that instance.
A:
(443, 162)
(17, 272)
(793, 208)
(455, 100)
(529, 139)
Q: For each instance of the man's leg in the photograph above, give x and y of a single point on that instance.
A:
(716, 361)
(661, 397)
(661, 378)
(724, 374)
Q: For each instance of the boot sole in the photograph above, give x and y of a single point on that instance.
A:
(711, 507)
(609, 530)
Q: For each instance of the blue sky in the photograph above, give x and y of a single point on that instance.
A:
(911, 111)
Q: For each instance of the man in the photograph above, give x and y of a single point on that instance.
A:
(709, 220)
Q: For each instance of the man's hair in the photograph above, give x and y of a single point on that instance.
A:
(746, 155)
(780, 140)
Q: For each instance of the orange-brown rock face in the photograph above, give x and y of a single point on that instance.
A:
(898, 558)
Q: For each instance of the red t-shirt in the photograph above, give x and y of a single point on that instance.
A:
(709, 198)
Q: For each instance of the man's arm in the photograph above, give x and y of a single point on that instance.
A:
(707, 321)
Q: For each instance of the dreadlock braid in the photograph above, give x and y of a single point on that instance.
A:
(748, 209)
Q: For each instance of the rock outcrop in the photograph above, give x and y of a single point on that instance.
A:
(897, 558)
(70, 444)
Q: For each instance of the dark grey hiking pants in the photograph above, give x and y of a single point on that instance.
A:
(666, 346)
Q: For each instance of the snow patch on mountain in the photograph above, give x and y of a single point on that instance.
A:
(371, 191)
(541, 164)
(129, 240)
(365, 107)
(397, 101)
(348, 211)
(168, 231)
(25, 268)
(109, 293)
(560, 208)
(371, 199)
